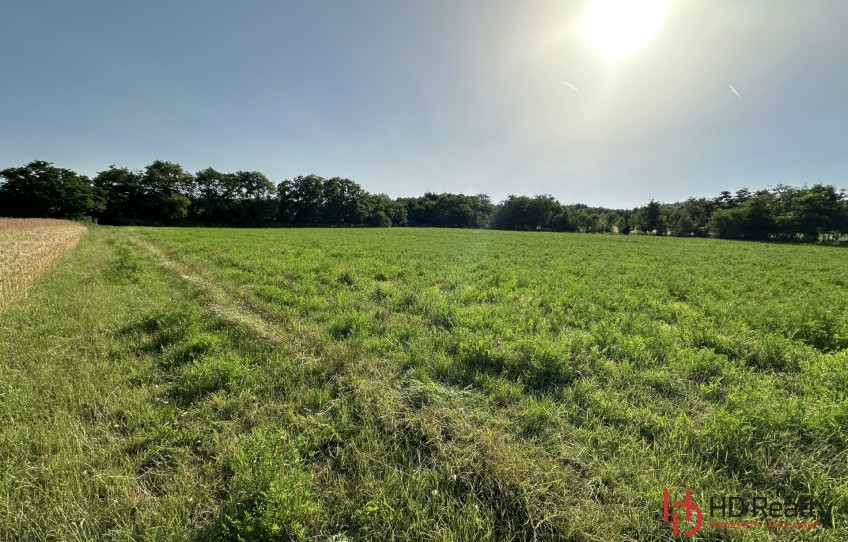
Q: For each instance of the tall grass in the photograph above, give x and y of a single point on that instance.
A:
(417, 385)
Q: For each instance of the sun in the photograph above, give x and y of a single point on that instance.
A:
(618, 28)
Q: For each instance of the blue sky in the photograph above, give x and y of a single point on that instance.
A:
(406, 97)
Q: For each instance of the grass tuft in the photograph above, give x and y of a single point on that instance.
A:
(209, 374)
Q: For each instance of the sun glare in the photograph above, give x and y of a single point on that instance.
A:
(619, 28)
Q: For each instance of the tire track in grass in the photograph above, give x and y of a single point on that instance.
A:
(533, 493)
(227, 306)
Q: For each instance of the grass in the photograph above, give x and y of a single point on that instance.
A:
(418, 384)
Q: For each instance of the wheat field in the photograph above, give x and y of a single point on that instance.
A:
(28, 246)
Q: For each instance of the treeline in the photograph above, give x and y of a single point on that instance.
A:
(163, 193)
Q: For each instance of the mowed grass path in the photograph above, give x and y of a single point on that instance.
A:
(418, 384)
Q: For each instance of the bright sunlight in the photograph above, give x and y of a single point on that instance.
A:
(619, 28)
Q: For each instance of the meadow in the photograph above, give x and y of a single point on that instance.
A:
(419, 384)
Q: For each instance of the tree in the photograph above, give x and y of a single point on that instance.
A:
(383, 211)
(629, 217)
(315, 200)
(244, 198)
(158, 195)
(812, 211)
(561, 222)
(526, 213)
(691, 217)
(301, 200)
(167, 178)
(343, 202)
(449, 210)
(753, 219)
(615, 222)
(167, 188)
(254, 203)
(583, 220)
(742, 195)
(40, 189)
(123, 193)
(680, 222)
(724, 200)
(649, 218)
(699, 210)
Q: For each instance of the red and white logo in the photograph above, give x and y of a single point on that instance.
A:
(688, 505)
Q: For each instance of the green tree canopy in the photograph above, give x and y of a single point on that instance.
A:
(124, 194)
(650, 218)
(526, 213)
(40, 189)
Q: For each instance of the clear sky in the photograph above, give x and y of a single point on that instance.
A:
(492, 96)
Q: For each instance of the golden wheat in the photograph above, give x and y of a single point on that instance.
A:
(28, 246)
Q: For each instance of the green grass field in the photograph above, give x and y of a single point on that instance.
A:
(419, 384)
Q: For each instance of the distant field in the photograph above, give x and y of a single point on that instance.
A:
(28, 245)
(375, 384)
